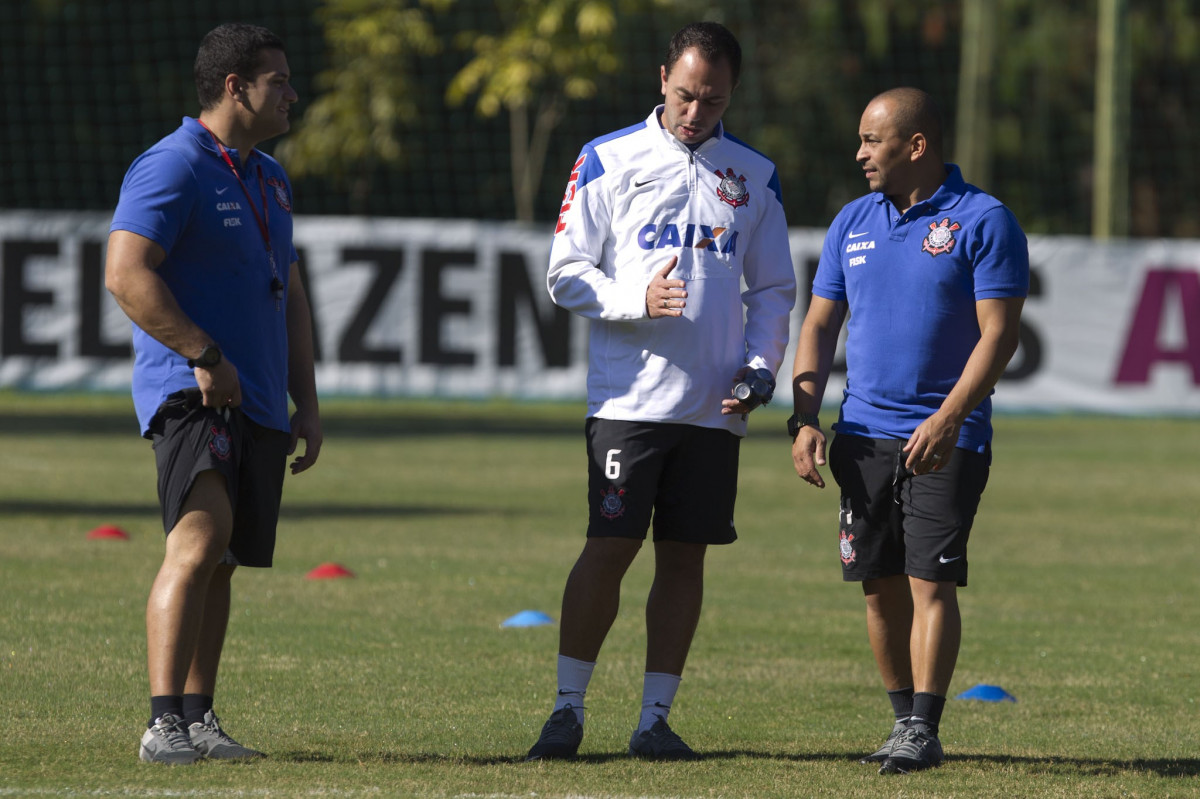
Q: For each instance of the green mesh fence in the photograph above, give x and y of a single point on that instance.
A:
(86, 85)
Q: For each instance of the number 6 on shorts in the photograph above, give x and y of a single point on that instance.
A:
(612, 467)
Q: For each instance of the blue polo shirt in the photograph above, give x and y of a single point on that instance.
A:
(183, 196)
(911, 281)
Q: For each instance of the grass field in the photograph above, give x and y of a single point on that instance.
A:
(1084, 603)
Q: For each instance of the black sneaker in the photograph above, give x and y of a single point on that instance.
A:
(561, 735)
(916, 750)
(659, 743)
(884, 752)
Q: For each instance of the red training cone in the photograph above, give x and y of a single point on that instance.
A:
(327, 571)
(108, 531)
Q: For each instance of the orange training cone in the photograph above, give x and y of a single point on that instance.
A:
(328, 571)
(108, 531)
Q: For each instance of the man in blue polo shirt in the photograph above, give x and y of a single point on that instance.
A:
(200, 257)
(933, 273)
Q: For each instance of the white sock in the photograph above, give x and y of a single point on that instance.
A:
(658, 692)
(573, 678)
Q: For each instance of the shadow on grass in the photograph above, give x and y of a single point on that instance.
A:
(591, 758)
(415, 758)
(1088, 767)
(75, 424)
(1083, 767)
(445, 423)
(57, 507)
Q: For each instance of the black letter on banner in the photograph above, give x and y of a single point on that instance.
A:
(435, 307)
(17, 298)
(1029, 350)
(554, 332)
(91, 294)
(302, 270)
(353, 348)
(810, 274)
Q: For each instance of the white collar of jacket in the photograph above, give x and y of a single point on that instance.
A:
(654, 121)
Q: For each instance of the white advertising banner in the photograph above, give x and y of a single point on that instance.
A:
(459, 309)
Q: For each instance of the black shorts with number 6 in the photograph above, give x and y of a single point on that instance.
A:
(893, 522)
(682, 476)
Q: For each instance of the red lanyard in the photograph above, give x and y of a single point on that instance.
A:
(263, 221)
(262, 224)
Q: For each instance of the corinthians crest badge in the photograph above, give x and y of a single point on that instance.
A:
(941, 237)
(846, 547)
(613, 504)
(281, 193)
(732, 189)
(219, 442)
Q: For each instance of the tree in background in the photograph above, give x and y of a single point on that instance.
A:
(452, 108)
(366, 95)
(824, 59)
(550, 52)
(1165, 116)
(530, 60)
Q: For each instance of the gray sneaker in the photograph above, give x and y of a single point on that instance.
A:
(213, 742)
(167, 742)
(916, 750)
(884, 752)
(561, 735)
(659, 743)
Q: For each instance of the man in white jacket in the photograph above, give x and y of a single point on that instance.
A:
(672, 241)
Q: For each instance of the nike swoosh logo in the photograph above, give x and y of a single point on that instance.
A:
(639, 183)
(222, 191)
(856, 235)
(944, 559)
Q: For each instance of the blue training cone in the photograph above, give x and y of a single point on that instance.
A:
(527, 618)
(987, 693)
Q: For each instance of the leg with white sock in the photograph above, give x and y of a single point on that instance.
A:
(658, 693)
(573, 678)
(672, 614)
(590, 603)
(589, 607)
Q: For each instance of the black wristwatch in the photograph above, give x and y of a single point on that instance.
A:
(210, 356)
(798, 420)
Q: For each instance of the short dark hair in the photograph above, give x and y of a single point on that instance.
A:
(712, 39)
(231, 49)
(915, 111)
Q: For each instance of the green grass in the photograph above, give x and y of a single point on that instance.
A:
(1083, 603)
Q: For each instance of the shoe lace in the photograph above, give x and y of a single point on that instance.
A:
(665, 737)
(213, 725)
(561, 726)
(889, 743)
(913, 737)
(171, 729)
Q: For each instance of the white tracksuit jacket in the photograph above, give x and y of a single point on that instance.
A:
(636, 198)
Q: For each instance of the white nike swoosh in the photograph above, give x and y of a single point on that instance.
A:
(856, 235)
(944, 559)
(222, 191)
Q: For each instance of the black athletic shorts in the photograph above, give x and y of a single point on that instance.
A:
(894, 522)
(190, 438)
(682, 475)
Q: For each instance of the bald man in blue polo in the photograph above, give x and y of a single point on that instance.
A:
(932, 273)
